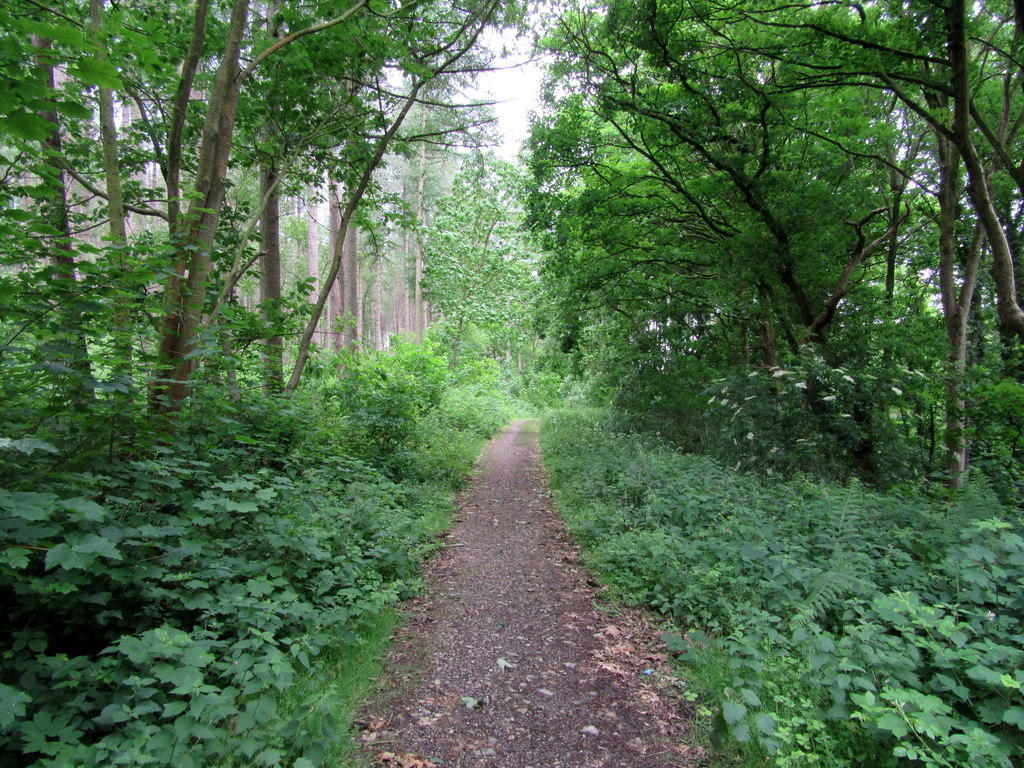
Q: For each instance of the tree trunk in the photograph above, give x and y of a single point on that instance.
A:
(336, 313)
(417, 241)
(115, 197)
(349, 279)
(57, 214)
(185, 291)
(378, 306)
(270, 247)
(270, 277)
(1008, 308)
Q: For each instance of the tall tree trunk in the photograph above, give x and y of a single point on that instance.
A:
(185, 292)
(1008, 308)
(349, 280)
(270, 277)
(115, 196)
(57, 214)
(336, 313)
(312, 248)
(417, 241)
(378, 305)
(956, 305)
(270, 247)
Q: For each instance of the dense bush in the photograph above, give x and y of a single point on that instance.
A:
(159, 608)
(835, 626)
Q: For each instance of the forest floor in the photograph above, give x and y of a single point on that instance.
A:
(510, 660)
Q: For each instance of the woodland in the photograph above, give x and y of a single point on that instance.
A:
(266, 288)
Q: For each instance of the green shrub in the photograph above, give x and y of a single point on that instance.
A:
(803, 605)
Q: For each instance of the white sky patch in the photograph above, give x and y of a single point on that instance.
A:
(516, 88)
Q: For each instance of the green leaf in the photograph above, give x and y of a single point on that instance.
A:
(175, 708)
(26, 445)
(62, 555)
(765, 724)
(87, 508)
(27, 505)
(12, 705)
(733, 712)
(1014, 716)
(894, 723)
(96, 72)
(25, 125)
(750, 697)
(15, 557)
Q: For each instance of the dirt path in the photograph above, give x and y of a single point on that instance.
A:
(506, 662)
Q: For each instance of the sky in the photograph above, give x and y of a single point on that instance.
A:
(516, 87)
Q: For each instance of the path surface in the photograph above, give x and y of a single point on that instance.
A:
(506, 662)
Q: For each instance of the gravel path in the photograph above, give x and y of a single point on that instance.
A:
(506, 661)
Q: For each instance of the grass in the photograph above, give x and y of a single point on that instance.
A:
(333, 692)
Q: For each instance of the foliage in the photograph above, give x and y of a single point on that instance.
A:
(479, 262)
(801, 605)
(732, 190)
(163, 608)
(380, 397)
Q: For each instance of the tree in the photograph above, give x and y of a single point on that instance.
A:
(478, 267)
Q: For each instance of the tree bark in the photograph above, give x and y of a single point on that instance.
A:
(270, 247)
(336, 312)
(1008, 309)
(270, 277)
(417, 240)
(956, 305)
(57, 213)
(349, 280)
(378, 305)
(185, 291)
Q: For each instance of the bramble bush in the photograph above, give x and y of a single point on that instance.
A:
(834, 626)
(161, 607)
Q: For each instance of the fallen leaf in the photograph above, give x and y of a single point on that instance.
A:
(405, 761)
(622, 648)
(470, 703)
(615, 669)
(503, 665)
(612, 631)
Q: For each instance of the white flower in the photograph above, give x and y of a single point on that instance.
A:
(750, 398)
(829, 398)
(800, 384)
(712, 400)
(775, 449)
(849, 378)
(897, 390)
(750, 435)
(779, 373)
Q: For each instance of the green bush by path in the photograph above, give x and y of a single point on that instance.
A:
(185, 607)
(830, 626)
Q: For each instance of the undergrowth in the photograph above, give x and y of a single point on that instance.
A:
(197, 603)
(825, 625)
